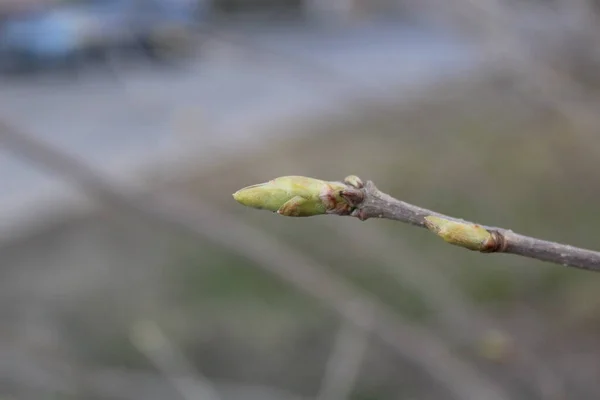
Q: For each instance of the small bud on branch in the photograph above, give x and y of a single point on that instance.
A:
(469, 236)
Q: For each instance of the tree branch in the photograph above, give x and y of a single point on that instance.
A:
(376, 204)
(297, 196)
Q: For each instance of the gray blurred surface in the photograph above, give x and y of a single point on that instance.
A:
(117, 115)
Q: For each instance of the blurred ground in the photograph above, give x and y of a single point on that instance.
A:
(128, 113)
(470, 145)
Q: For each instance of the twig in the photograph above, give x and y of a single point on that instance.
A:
(343, 366)
(298, 196)
(24, 367)
(201, 221)
(377, 204)
(150, 340)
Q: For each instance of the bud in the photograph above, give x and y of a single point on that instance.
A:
(470, 236)
(354, 181)
(295, 196)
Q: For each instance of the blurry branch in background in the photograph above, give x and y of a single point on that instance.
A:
(298, 196)
(551, 69)
(198, 220)
(150, 340)
(457, 317)
(343, 366)
(51, 378)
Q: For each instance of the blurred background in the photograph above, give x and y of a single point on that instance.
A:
(484, 110)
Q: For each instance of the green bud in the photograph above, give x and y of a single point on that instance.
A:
(470, 236)
(295, 196)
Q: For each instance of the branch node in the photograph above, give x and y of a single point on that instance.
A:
(360, 214)
(496, 243)
(354, 197)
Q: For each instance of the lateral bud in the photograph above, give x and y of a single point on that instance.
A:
(470, 236)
